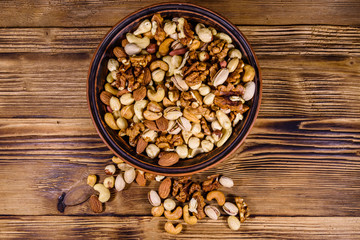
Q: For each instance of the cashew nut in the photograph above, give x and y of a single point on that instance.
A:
(113, 64)
(170, 28)
(158, 75)
(249, 73)
(226, 133)
(140, 42)
(110, 121)
(175, 215)
(171, 69)
(169, 228)
(144, 27)
(225, 37)
(110, 89)
(234, 53)
(217, 195)
(132, 49)
(104, 193)
(157, 211)
(159, 64)
(187, 218)
(139, 106)
(156, 96)
(165, 46)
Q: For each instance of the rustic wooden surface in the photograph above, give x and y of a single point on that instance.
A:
(299, 169)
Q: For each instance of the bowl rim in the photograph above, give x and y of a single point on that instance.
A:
(247, 131)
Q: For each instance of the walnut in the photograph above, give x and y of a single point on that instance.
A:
(176, 140)
(194, 187)
(150, 176)
(211, 183)
(200, 205)
(184, 179)
(184, 195)
(176, 187)
(189, 34)
(244, 210)
(213, 70)
(235, 75)
(139, 61)
(205, 127)
(160, 34)
(226, 103)
(218, 49)
(195, 78)
(134, 131)
(122, 92)
(229, 90)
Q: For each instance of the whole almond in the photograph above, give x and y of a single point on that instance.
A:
(164, 188)
(141, 145)
(168, 158)
(162, 123)
(140, 178)
(147, 76)
(105, 97)
(151, 125)
(95, 205)
(119, 52)
(140, 93)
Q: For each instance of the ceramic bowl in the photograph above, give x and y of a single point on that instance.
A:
(98, 72)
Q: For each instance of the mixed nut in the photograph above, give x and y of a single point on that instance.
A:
(176, 91)
(175, 199)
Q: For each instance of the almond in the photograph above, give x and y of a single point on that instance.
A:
(147, 76)
(140, 178)
(95, 205)
(141, 145)
(162, 123)
(168, 158)
(140, 93)
(164, 188)
(151, 125)
(119, 52)
(105, 97)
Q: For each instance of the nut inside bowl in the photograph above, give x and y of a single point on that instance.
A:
(97, 78)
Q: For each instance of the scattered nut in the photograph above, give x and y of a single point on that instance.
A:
(154, 198)
(169, 204)
(217, 195)
(226, 182)
(157, 211)
(129, 175)
(91, 180)
(230, 208)
(169, 228)
(164, 188)
(234, 223)
(109, 182)
(104, 193)
(110, 169)
(95, 205)
(187, 218)
(175, 215)
(212, 212)
(119, 183)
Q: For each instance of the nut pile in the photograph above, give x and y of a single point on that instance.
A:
(176, 91)
(175, 198)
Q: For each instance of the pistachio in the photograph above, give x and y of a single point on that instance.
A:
(184, 123)
(119, 183)
(230, 208)
(172, 113)
(220, 77)
(154, 198)
(209, 99)
(129, 175)
(193, 204)
(233, 64)
(234, 223)
(226, 182)
(249, 91)
(212, 212)
(223, 119)
(179, 82)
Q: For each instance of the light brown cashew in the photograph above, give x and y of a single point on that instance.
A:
(140, 42)
(104, 193)
(187, 218)
(157, 211)
(165, 46)
(156, 96)
(249, 73)
(159, 64)
(169, 228)
(175, 215)
(217, 195)
(110, 121)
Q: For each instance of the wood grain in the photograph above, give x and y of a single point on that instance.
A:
(298, 167)
(44, 13)
(125, 227)
(308, 71)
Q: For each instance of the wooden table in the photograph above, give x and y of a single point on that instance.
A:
(299, 169)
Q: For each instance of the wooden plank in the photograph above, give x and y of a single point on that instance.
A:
(107, 13)
(124, 227)
(287, 167)
(317, 79)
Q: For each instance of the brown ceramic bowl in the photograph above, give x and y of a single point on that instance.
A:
(97, 76)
